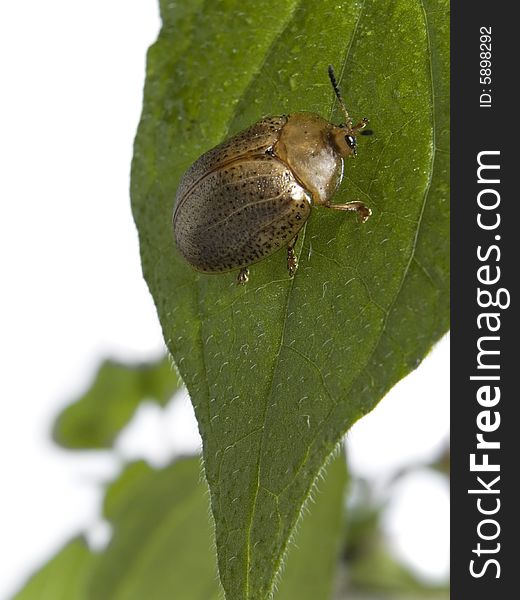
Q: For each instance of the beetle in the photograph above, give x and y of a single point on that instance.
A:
(250, 195)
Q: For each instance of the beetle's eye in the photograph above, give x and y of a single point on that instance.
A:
(351, 142)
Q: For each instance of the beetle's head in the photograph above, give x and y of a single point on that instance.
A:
(344, 138)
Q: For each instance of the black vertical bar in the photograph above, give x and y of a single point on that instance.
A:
(484, 119)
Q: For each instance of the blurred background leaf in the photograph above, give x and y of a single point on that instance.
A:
(161, 545)
(64, 577)
(96, 418)
(368, 569)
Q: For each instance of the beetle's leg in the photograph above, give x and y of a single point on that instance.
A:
(292, 260)
(243, 276)
(360, 207)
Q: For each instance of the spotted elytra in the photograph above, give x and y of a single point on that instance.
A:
(250, 195)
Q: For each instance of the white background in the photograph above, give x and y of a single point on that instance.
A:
(72, 293)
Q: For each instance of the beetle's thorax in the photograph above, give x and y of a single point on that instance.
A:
(306, 145)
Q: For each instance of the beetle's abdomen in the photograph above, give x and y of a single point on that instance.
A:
(239, 213)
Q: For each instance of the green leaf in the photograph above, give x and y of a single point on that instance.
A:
(279, 369)
(96, 418)
(62, 578)
(380, 573)
(161, 546)
(310, 569)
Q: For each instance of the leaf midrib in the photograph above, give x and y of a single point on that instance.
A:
(276, 362)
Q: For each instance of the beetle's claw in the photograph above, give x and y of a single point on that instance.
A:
(364, 213)
(243, 276)
(292, 262)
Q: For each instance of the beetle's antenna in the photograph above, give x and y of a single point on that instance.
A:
(348, 120)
